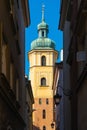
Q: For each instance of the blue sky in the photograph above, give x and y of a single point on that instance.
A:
(52, 14)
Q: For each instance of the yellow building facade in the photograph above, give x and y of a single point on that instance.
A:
(42, 57)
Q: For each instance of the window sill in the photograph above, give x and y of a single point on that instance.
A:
(42, 86)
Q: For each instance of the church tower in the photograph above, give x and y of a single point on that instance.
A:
(42, 57)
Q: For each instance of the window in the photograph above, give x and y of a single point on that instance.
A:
(47, 101)
(43, 82)
(44, 114)
(42, 33)
(43, 61)
(40, 101)
(44, 127)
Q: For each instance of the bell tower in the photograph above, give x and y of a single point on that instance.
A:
(42, 57)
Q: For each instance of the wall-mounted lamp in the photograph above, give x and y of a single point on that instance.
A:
(57, 98)
(52, 125)
(66, 92)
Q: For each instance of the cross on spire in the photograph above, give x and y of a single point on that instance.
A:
(43, 6)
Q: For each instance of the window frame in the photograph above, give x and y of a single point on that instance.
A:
(43, 61)
(43, 81)
(42, 33)
(40, 101)
(44, 127)
(47, 101)
(44, 114)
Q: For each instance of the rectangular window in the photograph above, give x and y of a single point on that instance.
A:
(40, 101)
(44, 114)
(47, 101)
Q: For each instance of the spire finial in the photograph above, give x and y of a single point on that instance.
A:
(43, 12)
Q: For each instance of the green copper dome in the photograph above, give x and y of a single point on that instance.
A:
(42, 42)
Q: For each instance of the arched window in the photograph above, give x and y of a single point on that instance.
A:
(44, 114)
(43, 61)
(42, 33)
(43, 82)
(44, 127)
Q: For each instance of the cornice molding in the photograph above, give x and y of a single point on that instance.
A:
(26, 12)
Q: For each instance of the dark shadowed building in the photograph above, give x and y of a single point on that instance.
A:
(73, 23)
(14, 17)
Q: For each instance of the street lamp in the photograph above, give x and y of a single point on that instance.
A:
(66, 92)
(57, 98)
(52, 125)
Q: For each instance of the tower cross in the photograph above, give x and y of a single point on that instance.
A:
(43, 6)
